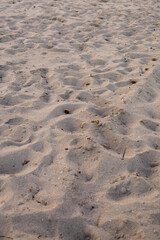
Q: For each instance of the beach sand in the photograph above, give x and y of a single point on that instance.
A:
(79, 119)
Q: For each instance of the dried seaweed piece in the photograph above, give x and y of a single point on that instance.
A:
(153, 164)
(25, 162)
(95, 121)
(126, 59)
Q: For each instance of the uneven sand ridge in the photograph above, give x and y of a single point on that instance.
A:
(80, 119)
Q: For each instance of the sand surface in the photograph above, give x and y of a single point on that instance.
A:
(80, 119)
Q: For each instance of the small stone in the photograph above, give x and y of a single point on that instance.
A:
(74, 197)
(114, 181)
(122, 177)
(99, 124)
(123, 190)
(49, 45)
(124, 101)
(82, 125)
(115, 187)
(138, 215)
(142, 121)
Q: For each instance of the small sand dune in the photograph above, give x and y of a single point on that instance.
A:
(80, 120)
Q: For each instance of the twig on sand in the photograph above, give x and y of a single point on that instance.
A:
(124, 153)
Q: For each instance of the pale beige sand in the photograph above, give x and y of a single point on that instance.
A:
(79, 119)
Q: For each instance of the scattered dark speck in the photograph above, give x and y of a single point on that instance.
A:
(66, 111)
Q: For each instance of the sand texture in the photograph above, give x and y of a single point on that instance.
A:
(80, 119)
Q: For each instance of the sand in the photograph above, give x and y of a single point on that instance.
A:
(79, 119)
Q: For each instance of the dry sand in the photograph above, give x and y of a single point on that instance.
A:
(80, 119)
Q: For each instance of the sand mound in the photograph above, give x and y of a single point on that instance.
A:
(79, 120)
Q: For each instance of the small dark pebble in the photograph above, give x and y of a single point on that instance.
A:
(133, 81)
(66, 111)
